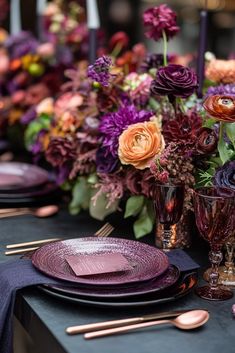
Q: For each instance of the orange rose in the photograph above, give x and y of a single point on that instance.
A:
(221, 107)
(140, 143)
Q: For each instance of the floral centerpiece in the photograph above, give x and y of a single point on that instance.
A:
(128, 121)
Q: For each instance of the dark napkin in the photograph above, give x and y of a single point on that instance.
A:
(14, 275)
(20, 273)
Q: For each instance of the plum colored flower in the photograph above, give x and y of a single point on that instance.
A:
(105, 162)
(140, 143)
(158, 19)
(207, 140)
(225, 176)
(174, 80)
(184, 128)
(221, 107)
(113, 124)
(60, 151)
(28, 116)
(221, 71)
(99, 71)
(221, 90)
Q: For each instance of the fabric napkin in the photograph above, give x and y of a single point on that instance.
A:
(21, 273)
(14, 275)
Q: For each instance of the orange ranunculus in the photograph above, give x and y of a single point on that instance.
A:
(221, 71)
(221, 107)
(140, 143)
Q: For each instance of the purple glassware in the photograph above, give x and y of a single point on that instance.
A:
(215, 218)
(168, 202)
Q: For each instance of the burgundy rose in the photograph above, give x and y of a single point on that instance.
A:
(158, 19)
(60, 151)
(206, 141)
(174, 80)
(225, 176)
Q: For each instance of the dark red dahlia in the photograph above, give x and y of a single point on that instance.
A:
(60, 151)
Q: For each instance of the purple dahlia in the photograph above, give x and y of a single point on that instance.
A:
(105, 162)
(113, 124)
(158, 19)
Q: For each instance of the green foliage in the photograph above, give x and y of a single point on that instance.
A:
(145, 222)
(209, 123)
(81, 194)
(134, 205)
(99, 209)
(33, 129)
(230, 132)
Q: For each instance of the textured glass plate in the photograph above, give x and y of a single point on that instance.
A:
(16, 175)
(155, 285)
(184, 286)
(147, 261)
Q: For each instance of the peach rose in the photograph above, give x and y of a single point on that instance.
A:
(140, 143)
(221, 71)
(221, 107)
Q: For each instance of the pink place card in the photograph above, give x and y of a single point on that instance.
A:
(85, 265)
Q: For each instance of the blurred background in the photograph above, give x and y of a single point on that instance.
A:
(125, 15)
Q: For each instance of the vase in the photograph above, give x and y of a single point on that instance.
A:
(181, 232)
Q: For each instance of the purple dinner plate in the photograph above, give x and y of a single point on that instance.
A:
(147, 261)
(16, 175)
(44, 189)
(166, 280)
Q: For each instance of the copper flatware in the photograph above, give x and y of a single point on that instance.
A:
(187, 321)
(72, 330)
(41, 212)
(104, 231)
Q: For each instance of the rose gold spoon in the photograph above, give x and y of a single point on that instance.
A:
(45, 211)
(187, 321)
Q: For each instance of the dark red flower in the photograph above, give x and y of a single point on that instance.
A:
(60, 151)
(184, 128)
(158, 19)
(206, 141)
(119, 39)
(174, 80)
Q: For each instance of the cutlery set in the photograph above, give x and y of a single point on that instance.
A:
(184, 320)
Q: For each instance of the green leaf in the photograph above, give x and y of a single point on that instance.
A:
(230, 131)
(222, 148)
(99, 210)
(134, 205)
(209, 123)
(80, 196)
(144, 224)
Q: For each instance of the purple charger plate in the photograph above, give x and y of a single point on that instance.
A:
(16, 175)
(166, 280)
(148, 262)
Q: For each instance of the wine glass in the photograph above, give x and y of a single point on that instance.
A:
(215, 218)
(227, 272)
(168, 204)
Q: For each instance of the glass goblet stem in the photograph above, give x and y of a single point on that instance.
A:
(215, 257)
(229, 258)
(167, 235)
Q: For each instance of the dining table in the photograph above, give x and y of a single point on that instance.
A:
(43, 318)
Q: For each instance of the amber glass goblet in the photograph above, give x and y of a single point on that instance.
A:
(215, 218)
(168, 203)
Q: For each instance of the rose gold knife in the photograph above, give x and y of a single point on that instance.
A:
(72, 330)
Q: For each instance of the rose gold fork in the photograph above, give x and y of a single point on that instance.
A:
(103, 232)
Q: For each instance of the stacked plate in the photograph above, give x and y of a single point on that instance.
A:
(151, 279)
(22, 183)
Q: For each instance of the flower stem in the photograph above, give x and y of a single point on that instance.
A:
(164, 48)
(223, 152)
